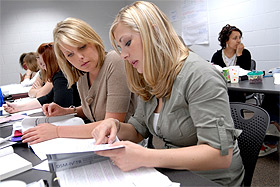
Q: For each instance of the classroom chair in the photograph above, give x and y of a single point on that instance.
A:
(252, 136)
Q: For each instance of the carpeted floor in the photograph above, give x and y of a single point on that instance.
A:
(267, 170)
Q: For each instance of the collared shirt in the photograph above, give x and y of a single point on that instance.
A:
(197, 112)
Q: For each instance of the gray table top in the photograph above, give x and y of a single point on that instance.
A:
(267, 86)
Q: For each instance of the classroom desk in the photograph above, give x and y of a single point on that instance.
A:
(267, 86)
(185, 178)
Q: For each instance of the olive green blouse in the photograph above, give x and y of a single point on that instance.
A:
(197, 112)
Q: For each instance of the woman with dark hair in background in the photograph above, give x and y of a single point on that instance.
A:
(232, 53)
(59, 94)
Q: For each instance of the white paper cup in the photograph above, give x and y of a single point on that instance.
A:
(234, 74)
(276, 77)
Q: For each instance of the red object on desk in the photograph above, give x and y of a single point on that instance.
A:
(17, 133)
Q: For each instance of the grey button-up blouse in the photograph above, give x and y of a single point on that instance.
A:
(197, 112)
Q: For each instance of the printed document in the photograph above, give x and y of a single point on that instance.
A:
(106, 174)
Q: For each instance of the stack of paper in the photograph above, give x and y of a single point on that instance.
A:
(106, 174)
(11, 163)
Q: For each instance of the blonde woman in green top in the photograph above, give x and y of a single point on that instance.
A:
(183, 101)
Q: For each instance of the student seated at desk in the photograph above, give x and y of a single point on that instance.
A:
(41, 86)
(183, 101)
(24, 66)
(32, 71)
(59, 94)
(232, 53)
(101, 78)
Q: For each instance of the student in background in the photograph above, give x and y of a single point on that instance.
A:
(232, 53)
(23, 65)
(41, 86)
(101, 81)
(59, 94)
(183, 101)
(32, 69)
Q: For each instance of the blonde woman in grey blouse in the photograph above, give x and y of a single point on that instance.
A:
(101, 78)
(183, 101)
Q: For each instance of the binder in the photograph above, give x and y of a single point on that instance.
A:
(63, 161)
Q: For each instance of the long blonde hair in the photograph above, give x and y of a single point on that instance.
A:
(163, 52)
(75, 32)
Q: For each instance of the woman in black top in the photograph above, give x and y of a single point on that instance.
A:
(59, 94)
(232, 54)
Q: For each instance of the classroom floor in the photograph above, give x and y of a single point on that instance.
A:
(267, 170)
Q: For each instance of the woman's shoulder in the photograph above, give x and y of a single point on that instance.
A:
(196, 66)
(246, 51)
(58, 75)
(112, 57)
(218, 52)
(113, 61)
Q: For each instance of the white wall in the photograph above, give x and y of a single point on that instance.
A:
(26, 24)
(257, 19)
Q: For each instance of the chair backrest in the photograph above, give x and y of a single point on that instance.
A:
(252, 136)
(253, 65)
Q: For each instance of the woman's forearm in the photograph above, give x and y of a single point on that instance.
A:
(199, 157)
(128, 132)
(29, 106)
(77, 131)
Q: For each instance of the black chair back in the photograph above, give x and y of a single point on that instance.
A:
(252, 136)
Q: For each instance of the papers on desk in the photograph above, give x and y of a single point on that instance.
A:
(106, 174)
(14, 117)
(67, 145)
(14, 89)
(11, 163)
(69, 119)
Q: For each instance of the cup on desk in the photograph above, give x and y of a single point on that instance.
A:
(276, 77)
(234, 74)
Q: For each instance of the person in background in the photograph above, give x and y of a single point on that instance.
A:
(23, 65)
(41, 86)
(232, 53)
(32, 69)
(101, 78)
(183, 101)
(60, 93)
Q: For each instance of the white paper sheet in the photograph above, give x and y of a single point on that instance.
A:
(106, 174)
(68, 145)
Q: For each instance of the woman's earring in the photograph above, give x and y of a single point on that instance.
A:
(226, 45)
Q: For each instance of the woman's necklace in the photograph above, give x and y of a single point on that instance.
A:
(229, 61)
